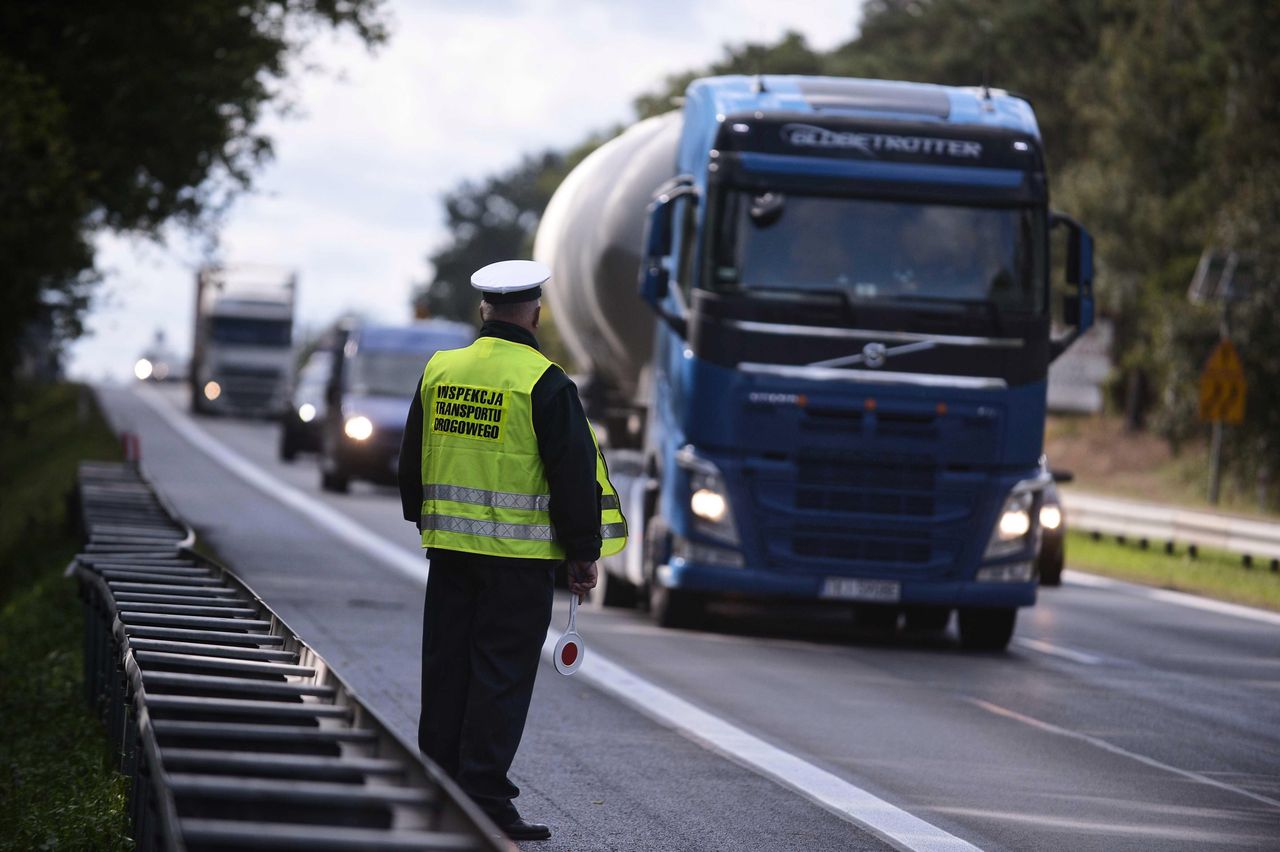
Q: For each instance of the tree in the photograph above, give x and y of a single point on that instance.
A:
(127, 117)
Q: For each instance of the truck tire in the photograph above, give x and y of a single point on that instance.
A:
(675, 608)
(927, 619)
(987, 628)
(616, 591)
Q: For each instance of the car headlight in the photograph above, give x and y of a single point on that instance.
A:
(142, 369)
(1050, 517)
(307, 412)
(212, 390)
(358, 428)
(708, 497)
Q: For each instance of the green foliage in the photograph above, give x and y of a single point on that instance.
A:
(57, 788)
(128, 116)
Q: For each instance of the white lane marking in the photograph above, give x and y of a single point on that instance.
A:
(316, 511)
(848, 801)
(1057, 651)
(1182, 832)
(1123, 752)
(892, 824)
(1079, 578)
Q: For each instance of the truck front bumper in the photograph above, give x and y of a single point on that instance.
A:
(750, 583)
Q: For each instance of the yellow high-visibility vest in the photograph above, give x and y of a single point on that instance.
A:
(484, 488)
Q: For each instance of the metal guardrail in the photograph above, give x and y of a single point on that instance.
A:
(234, 732)
(1133, 520)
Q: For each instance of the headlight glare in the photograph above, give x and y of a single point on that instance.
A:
(306, 412)
(142, 369)
(708, 505)
(358, 428)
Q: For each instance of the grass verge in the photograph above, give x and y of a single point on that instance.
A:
(58, 789)
(1214, 574)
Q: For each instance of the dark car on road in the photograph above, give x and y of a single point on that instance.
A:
(300, 424)
(369, 394)
(1053, 532)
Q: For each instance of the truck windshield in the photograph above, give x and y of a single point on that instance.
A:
(249, 331)
(881, 251)
(384, 373)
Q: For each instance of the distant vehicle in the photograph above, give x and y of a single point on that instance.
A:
(241, 351)
(368, 397)
(158, 363)
(1053, 527)
(301, 421)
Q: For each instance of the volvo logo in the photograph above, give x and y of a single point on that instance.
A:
(874, 354)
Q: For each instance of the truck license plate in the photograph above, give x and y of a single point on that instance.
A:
(854, 589)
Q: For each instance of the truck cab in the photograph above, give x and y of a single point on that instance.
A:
(855, 323)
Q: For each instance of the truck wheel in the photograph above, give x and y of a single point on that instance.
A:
(615, 591)
(675, 607)
(987, 628)
(927, 619)
(337, 481)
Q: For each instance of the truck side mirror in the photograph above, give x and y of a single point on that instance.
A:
(655, 272)
(1077, 307)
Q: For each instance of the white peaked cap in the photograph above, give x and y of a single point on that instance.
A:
(511, 280)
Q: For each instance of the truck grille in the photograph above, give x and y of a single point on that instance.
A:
(876, 516)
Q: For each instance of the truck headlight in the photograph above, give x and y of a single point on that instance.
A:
(1050, 517)
(212, 390)
(306, 412)
(1013, 526)
(708, 497)
(709, 505)
(358, 428)
(142, 369)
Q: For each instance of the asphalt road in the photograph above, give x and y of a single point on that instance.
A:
(1117, 720)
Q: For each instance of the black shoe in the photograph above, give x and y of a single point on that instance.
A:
(521, 830)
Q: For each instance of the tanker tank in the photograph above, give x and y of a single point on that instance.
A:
(590, 237)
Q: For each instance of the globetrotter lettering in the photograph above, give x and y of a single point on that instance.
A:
(468, 412)
(812, 136)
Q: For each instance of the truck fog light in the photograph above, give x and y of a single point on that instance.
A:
(358, 428)
(142, 369)
(306, 412)
(708, 505)
(1050, 517)
(1011, 572)
(705, 554)
(212, 390)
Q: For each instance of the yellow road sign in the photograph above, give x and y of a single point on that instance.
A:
(1222, 386)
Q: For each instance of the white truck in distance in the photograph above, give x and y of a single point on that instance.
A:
(242, 351)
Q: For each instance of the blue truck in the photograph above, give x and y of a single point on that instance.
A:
(831, 382)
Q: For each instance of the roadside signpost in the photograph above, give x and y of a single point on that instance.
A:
(1222, 395)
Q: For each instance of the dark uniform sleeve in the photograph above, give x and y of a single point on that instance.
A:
(569, 456)
(409, 471)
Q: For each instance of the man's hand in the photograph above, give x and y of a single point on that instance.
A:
(582, 578)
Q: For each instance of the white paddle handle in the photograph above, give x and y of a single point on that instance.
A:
(573, 612)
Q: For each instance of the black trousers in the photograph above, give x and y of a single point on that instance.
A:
(482, 632)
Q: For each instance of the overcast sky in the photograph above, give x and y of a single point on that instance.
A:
(463, 89)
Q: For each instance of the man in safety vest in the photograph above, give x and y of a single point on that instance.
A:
(501, 472)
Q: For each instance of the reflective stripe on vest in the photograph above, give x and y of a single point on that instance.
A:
(502, 499)
(484, 489)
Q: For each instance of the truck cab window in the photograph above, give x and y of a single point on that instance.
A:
(883, 251)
